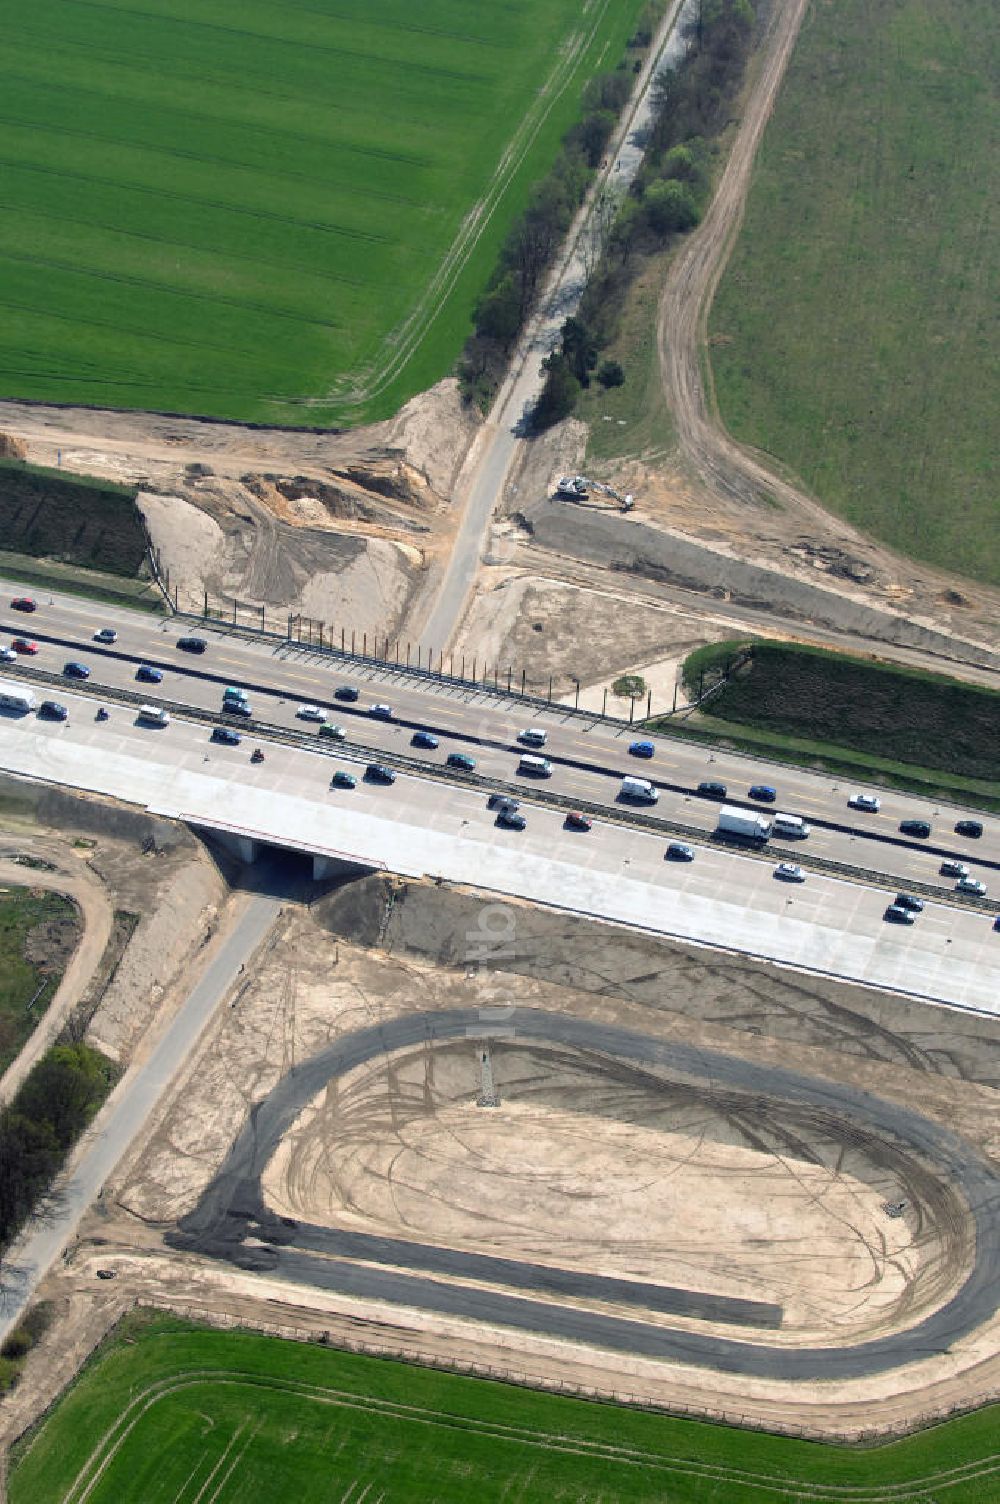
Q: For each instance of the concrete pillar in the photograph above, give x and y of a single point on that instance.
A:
(243, 848)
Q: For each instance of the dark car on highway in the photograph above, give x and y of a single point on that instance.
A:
(192, 644)
(642, 749)
(712, 790)
(76, 671)
(909, 901)
(425, 739)
(149, 675)
(919, 828)
(23, 603)
(511, 819)
(346, 692)
(973, 828)
(227, 736)
(342, 780)
(680, 851)
(377, 772)
(577, 821)
(897, 914)
(462, 760)
(51, 710)
(762, 792)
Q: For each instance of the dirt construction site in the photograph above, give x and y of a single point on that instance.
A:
(422, 1114)
(494, 1136)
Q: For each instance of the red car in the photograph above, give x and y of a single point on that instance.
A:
(23, 603)
(22, 645)
(576, 821)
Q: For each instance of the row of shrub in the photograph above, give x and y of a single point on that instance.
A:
(691, 107)
(534, 239)
(58, 1099)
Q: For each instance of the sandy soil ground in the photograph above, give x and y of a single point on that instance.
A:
(341, 527)
(604, 1171)
(582, 634)
(146, 910)
(682, 1188)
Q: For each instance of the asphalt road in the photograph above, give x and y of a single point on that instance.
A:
(229, 1210)
(126, 1112)
(589, 755)
(427, 829)
(497, 444)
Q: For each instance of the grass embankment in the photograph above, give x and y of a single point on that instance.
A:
(275, 213)
(852, 335)
(38, 932)
(900, 727)
(166, 1409)
(73, 533)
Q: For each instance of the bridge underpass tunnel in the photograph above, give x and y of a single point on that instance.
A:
(262, 866)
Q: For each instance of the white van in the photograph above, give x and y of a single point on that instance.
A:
(152, 715)
(537, 767)
(790, 825)
(533, 737)
(15, 697)
(638, 789)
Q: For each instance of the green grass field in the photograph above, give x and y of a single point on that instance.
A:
(854, 330)
(171, 1413)
(276, 213)
(25, 991)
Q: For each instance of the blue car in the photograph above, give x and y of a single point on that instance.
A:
(462, 760)
(149, 675)
(424, 739)
(642, 749)
(76, 671)
(764, 792)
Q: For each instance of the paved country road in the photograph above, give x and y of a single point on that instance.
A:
(232, 1209)
(127, 1111)
(481, 484)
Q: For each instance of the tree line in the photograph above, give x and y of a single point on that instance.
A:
(536, 235)
(691, 107)
(58, 1098)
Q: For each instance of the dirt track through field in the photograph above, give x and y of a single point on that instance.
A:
(726, 469)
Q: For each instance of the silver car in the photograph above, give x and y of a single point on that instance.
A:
(789, 872)
(310, 713)
(971, 885)
(953, 869)
(868, 802)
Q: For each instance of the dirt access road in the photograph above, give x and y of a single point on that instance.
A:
(728, 471)
(95, 908)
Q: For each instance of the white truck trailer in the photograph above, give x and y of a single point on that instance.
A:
(17, 697)
(747, 824)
